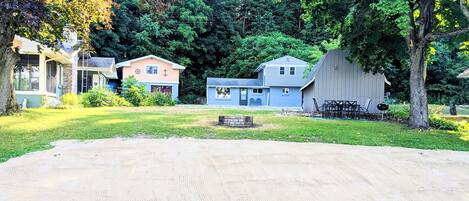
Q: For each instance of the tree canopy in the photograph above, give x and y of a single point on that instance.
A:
(229, 38)
(385, 34)
(253, 50)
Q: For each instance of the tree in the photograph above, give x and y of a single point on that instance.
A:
(43, 21)
(444, 65)
(374, 31)
(253, 50)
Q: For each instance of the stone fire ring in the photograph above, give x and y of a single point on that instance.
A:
(236, 121)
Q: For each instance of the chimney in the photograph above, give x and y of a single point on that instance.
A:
(71, 38)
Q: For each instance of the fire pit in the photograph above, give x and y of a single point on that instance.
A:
(236, 121)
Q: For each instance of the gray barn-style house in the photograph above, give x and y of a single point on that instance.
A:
(335, 78)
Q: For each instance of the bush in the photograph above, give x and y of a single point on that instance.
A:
(159, 99)
(132, 91)
(189, 99)
(70, 100)
(400, 111)
(99, 97)
(119, 101)
(444, 124)
(134, 95)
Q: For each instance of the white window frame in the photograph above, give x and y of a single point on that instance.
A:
(226, 97)
(280, 70)
(294, 70)
(285, 91)
(256, 91)
(152, 65)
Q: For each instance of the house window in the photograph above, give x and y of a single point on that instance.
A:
(285, 91)
(26, 73)
(292, 70)
(151, 70)
(165, 72)
(223, 93)
(257, 91)
(282, 70)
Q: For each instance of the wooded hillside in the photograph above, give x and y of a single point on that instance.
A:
(229, 38)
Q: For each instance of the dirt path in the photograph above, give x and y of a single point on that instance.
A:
(218, 170)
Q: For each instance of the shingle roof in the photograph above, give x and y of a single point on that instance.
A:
(97, 62)
(232, 82)
(464, 74)
(127, 63)
(285, 60)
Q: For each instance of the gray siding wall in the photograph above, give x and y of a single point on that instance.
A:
(338, 79)
(273, 78)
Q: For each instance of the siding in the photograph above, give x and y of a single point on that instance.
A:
(262, 96)
(338, 79)
(273, 78)
(293, 99)
(35, 100)
(211, 100)
(173, 74)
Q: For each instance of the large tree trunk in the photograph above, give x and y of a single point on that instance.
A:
(418, 45)
(418, 94)
(8, 59)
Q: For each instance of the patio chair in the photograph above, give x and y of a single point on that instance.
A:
(252, 101)
(364, 109)
(316, 106)
(259, 101)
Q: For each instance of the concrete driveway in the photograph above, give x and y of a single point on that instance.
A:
(218, 170)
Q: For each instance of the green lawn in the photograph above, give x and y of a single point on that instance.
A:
(34, 129)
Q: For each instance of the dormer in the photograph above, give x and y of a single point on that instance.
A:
(284, 71)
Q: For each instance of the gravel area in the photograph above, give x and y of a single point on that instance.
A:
(216, 170)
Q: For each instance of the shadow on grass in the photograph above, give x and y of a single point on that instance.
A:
(36, 129)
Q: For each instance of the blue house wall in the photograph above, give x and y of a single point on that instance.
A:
(212, 100)
(278, 99)
(272, 76)
(254, 98)
(271, 79)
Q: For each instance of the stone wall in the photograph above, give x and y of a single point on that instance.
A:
(236, 121)
(68, 78)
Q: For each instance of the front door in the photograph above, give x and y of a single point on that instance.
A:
(243, 96)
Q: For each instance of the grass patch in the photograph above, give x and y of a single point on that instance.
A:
(35, 129)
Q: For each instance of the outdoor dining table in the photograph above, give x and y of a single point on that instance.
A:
(341, 109)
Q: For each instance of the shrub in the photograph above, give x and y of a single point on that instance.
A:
(134, 95)
(159, 99)
(119, 101)
(70, 99)
(98, 97)
(132, 91)
(401, 112)
(440, 123)
(189, 99)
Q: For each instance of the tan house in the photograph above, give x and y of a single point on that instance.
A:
(156, 73)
